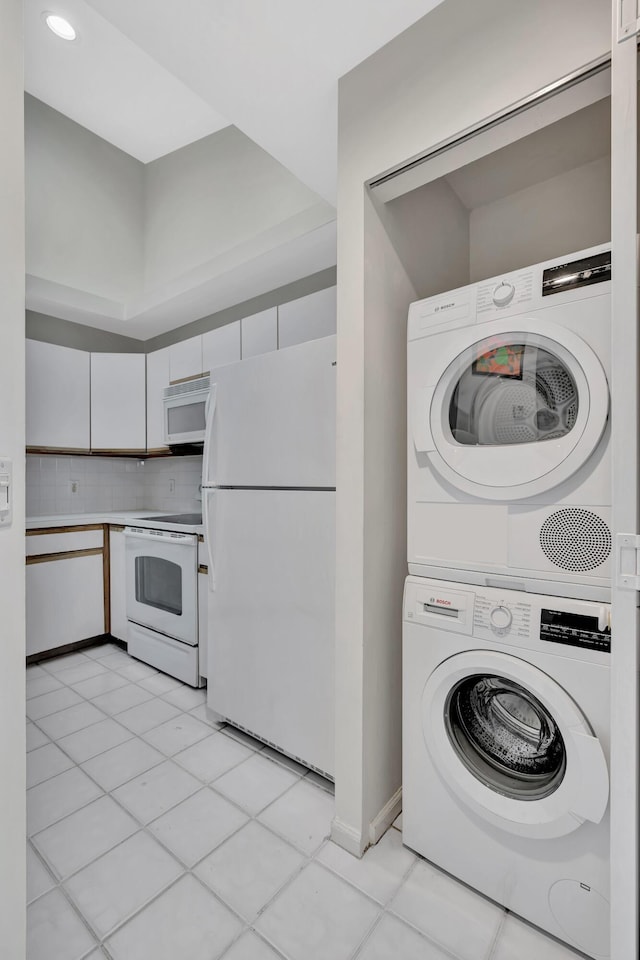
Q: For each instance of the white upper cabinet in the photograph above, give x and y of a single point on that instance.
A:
(221, 346)
(158, 377)
(307, 318)
(260, 333)
(185, 359)
(118, 401)
(57, 396)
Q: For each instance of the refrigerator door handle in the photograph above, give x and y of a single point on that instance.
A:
(210, 412)
(208, 536)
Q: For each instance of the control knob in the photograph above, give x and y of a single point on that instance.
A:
(503, 293)
(500, 619)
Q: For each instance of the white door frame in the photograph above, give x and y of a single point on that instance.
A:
(624, 439)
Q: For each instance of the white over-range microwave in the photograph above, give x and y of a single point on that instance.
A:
(185, 408)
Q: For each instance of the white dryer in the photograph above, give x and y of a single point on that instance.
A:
(508, 447)
(505, 750)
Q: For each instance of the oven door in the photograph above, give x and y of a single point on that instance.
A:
(162, 582)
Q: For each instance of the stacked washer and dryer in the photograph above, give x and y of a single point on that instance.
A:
(506, 633)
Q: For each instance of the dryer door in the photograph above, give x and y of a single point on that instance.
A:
(514, 413)
(511, 744)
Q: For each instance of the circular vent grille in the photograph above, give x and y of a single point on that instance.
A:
(575, 539)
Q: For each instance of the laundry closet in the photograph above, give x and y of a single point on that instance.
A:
(525, 181)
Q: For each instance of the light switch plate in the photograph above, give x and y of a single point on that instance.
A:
(6, 492)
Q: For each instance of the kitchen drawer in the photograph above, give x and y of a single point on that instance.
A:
(38, 544)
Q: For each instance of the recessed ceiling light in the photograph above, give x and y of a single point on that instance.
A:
(61, 27)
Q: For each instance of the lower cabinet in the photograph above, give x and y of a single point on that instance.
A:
(118, 585)
(65, 601)
(65, 586)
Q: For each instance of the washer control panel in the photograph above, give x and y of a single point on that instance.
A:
(517, 619)
(576, 629)
(504, 617)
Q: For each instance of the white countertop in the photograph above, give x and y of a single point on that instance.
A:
(137, 518)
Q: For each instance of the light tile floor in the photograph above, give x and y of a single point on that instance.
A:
(156, 834)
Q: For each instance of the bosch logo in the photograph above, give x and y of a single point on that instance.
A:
(444, 306)
(443, 603)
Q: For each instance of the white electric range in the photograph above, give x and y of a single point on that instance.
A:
(162, 596)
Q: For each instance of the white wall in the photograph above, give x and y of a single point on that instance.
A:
(12, 439)
(110, 239)
(429, 228)
(84, 207)
(214, 196)
(573, 204)
(460, 64)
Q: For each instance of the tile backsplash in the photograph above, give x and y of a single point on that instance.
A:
(111, 483)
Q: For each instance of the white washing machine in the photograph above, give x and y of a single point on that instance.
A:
(508, 447)
(505, 750)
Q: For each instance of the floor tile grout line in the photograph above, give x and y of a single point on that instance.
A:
(385, 904)
(389, 909)
(494, 943)
(133, 734)
(80, 765)
(209, 784)
(44, 863)
(170, 757)
(162, 696)
(141, 825)
(383, 908)
(307, 858)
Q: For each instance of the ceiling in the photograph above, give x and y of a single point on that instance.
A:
(152, 76)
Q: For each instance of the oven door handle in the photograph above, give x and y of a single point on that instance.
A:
(178, 540)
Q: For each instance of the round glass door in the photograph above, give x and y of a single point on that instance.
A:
(505, 737)
(512, 745)
(516, 413)
(513, 393)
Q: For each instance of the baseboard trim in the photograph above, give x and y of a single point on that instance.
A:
(348, 837)
(73, 647)
(381, 823)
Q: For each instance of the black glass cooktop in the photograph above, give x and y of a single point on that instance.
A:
(188, 518)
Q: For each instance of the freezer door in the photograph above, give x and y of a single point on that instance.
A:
(271, 618)
(273, 420)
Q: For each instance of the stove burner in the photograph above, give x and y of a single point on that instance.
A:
(187, 518)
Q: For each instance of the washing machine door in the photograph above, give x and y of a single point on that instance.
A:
(512, 745)
(515, 412)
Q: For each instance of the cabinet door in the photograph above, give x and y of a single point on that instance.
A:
(307, 318)
(118, 401)
(57, 396)
(221, 346)
(185, 359)
(157, 379)
(260, 333)
(118, 584)
(65, 602)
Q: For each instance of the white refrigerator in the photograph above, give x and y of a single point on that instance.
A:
(269, 510)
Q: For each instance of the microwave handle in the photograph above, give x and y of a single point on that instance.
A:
(209, 414)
